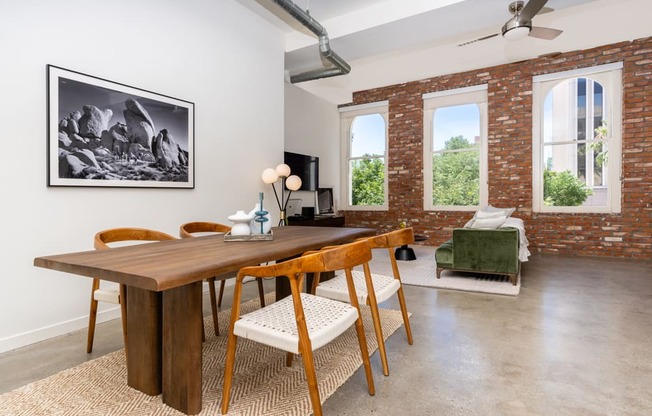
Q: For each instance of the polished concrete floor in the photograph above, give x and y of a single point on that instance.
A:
(576, 341)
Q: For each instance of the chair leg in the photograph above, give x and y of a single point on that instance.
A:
(404, 312)
(219, 298)
(211, 290)
(289, 357)
(261, 293)
(375, 317)
(364, 352)
(123, 314)
(311, 376)
(228, 372)
(373, 307)
(439, 270)
(92, 317)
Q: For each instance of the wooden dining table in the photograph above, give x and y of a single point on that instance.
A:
(164, 297)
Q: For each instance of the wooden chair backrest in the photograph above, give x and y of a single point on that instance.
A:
(186, 230)
(392, 239)
(399, 237)
(103, 238)
(341, 257)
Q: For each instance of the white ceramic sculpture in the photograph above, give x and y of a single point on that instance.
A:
(241, 223)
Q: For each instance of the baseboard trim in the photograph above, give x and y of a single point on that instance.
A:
(61, 328)
(41, 334)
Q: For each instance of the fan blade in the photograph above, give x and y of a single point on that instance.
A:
(531, 9)
(478, 39)
(544, 33)
(545, 10)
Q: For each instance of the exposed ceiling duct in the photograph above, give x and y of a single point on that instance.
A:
(341, 67)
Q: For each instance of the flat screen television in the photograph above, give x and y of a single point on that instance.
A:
(305, 167)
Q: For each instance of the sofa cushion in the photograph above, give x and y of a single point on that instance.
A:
(444, 255)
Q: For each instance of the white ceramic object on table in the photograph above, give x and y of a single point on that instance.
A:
(241, 223)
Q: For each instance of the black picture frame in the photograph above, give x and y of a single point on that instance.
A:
(107, 134)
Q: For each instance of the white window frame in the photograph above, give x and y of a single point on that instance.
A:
(347, 116)
(431, 102)
(610, 77)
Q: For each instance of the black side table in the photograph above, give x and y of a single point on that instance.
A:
(405, 252)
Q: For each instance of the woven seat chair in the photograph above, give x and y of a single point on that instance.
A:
(188, 230)
(302, 322)
(114, 295)
(377, 289)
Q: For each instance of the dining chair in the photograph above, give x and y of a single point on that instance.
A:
(188, 230)
(373, 288)
(116, 295)
(302, 322)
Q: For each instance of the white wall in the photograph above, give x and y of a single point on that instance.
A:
(217, 54)
(312, 127)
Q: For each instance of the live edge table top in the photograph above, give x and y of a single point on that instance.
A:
(160, 266)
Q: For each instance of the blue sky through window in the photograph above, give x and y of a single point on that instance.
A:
(459, 120)
(368, 132)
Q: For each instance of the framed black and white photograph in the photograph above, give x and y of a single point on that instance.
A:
(105, 134)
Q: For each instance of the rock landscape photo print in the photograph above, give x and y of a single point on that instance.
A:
(102, 133)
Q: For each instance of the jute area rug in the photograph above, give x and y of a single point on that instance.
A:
(262, 385)
(423, 272)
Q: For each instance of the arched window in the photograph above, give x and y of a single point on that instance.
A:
(364, 145)
(455, 149)
(576, 134)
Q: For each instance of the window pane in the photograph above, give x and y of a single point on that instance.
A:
(597, 100)
(560, 113)
(574, 174)
(368, 135)
(599, 162)
(367, 181)
(456, 158)
(581, 161)
(456, 178)
(455, 122)
(564, 183)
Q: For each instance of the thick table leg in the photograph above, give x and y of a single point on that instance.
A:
(182, 333)
(144, 338)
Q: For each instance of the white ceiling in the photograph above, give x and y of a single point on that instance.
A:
(394, 41)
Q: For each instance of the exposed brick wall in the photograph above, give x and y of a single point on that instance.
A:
(628, 234)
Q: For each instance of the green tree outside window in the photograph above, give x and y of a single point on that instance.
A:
(368, 181)
(456, 174)
(564, 189)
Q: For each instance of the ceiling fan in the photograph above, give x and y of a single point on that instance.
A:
(520, 25)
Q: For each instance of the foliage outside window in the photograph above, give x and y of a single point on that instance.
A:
(564, 189)
(572, 141)
(364, 138)
(455, 152)
(367, 181)
(456, 173)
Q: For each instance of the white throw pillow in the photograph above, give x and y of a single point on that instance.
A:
(488, 223)
(489, 214)
(507, 211)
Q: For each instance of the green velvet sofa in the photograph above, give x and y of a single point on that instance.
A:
(481, 250)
